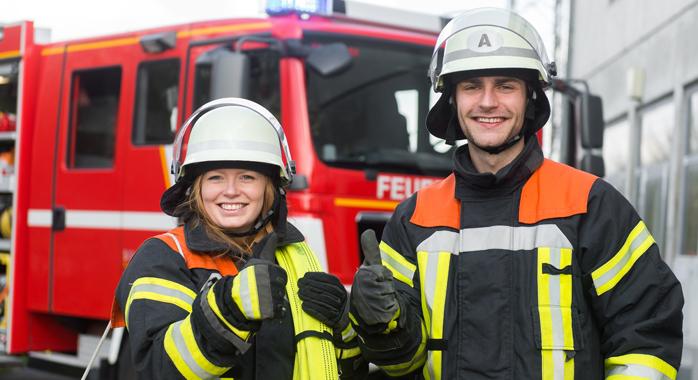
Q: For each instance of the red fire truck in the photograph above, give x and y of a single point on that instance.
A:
(85, 134)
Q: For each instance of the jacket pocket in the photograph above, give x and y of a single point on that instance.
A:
(556, 324)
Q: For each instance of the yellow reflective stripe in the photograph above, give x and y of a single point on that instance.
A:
(195, 351)
(402, 269)
(417, 361)
(161, 290)
(422, 257)
(175, 357)
(348, 333)
(610, 273)
(345, 353)
(211, 298)
(433, 276)
(555, 314)
(639, 366)
(183, 351)
(244, 293)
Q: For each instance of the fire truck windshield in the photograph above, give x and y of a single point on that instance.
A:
(372, 115)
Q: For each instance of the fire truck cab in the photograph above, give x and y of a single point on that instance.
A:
(85, 134)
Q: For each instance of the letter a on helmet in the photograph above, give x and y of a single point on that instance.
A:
(492, 41)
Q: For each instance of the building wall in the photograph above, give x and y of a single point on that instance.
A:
(651, 143)
(609, 36)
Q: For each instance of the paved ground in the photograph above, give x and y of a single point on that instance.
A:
(29, 374)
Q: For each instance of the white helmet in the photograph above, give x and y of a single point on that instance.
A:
(486, 41)
(224, 132)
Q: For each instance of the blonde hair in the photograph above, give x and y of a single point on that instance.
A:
(237, 245)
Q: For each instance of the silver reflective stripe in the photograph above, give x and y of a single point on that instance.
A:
(396, 265)
(440, 241)
(162, 290)
(185, 354)
(523, 238)
(245, 294)
(556, 312)
(232, 145)
(637, 242)
(430, 262)
(501, 52)
(558, 334)
(638, 371)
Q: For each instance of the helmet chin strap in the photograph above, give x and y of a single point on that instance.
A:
(529, 116)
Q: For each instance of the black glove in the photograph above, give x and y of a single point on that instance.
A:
(266, 299)
(324, 298)
(374, 304)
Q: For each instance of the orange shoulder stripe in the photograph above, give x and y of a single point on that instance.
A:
(224, 265)
(555, 190)
(437, 205)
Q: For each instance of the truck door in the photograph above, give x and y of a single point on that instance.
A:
(87, 190)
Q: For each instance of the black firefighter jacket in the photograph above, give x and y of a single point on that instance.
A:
(160, 290)
(538, 272)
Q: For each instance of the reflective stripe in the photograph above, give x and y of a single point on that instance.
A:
(555, 314)
(522, 238)
(409, 366)
(244, 292)
(184, 352)
(161, 290)
(221, 325)
(248, 145)
(639, 366)
(433, 275)
(502, 52)
(348, 333)
(609, 274)
(179, 246)
(402, 269)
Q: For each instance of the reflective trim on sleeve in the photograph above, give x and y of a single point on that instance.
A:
(555, 313)
(348, 333)
(638, 366)
(346, 353)
(417, 361)
(610, 273)
(521, 238)
(224, 328)
(182, 349)
(244, 293)
(160, 290)
(433, 277)
(402, 269)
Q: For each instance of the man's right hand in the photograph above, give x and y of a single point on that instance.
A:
(373, 301)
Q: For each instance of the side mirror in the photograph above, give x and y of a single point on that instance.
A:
(330, 59)
(230, 72)
(594, 164)
(592, 121)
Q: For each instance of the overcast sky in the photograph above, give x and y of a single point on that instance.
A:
(70, 19)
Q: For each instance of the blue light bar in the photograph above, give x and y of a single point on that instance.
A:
(279, 7)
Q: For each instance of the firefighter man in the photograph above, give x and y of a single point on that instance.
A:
(234, 291)
(515, 266)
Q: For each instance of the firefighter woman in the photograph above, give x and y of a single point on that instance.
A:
(234, 291)
(515, 266)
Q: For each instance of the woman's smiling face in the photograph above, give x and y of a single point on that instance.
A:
(233, 198)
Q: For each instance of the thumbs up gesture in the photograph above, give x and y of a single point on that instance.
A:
(373, 301)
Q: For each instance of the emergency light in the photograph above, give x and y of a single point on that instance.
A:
(280, 7)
